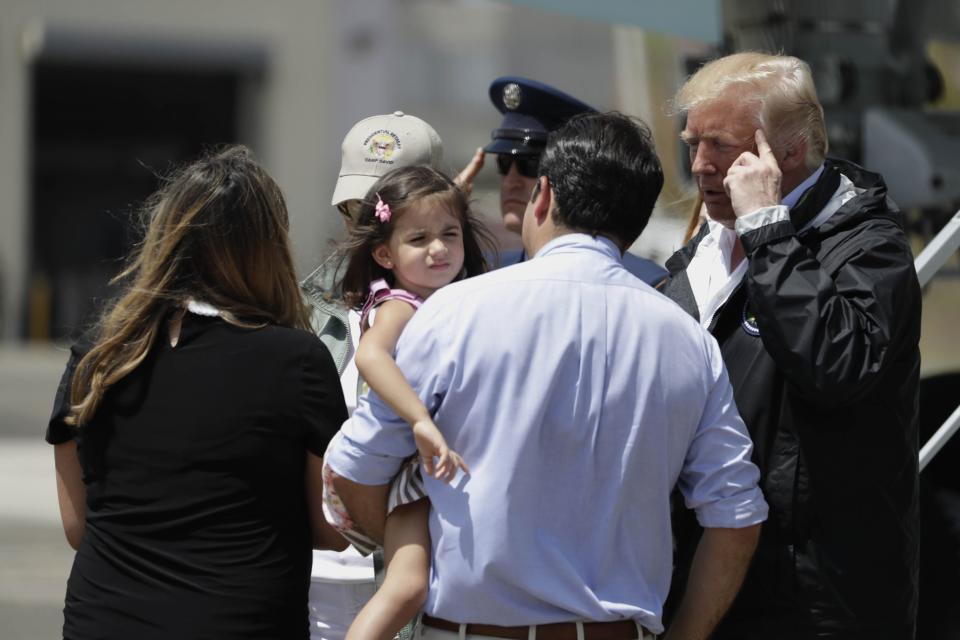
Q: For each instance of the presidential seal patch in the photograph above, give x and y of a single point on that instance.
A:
(382, 146)
(749, 321)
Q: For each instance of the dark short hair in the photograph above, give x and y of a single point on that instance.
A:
(605, 175)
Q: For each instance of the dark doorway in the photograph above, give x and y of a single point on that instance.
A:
(101, 136)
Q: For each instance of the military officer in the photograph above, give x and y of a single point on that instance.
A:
(531, 110)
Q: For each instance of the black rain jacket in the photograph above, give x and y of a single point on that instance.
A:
(821, 340)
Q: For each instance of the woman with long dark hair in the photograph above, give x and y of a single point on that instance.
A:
(189, 426)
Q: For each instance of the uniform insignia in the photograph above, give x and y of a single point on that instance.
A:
(511, 96)
(749, 321)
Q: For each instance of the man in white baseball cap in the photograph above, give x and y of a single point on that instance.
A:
(377, 144)
(342, 582)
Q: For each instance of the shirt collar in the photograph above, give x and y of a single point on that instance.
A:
(578, 241)
(720, 238)
(793, 197)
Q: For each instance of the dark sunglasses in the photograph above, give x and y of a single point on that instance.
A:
(527, 166)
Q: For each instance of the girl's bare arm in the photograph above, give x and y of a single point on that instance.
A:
(376, 364)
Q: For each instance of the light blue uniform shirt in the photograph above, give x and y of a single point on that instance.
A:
(579, 397)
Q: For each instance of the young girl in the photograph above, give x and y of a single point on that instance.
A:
(414, 233)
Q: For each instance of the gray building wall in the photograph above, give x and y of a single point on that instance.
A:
(281, 118)
(325, 65)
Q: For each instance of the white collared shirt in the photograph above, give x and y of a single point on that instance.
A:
(711, 279)
(709, 273)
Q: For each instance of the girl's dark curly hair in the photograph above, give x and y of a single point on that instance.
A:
(400, 188)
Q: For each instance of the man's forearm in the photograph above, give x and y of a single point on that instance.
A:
(719, 565)
(366, 504)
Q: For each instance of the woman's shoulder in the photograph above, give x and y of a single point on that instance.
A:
(279, 337)
(300, 350)
(275, 350)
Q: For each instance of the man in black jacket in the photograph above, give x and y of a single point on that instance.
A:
(804, 275)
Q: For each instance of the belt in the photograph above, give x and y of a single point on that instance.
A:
(616, 630)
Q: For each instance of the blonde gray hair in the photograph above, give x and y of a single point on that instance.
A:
(788, 110)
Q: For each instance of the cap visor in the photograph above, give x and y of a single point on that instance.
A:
(352, 187)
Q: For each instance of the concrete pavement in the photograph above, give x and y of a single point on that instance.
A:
(34, 557)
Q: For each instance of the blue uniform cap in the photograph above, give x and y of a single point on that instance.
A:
(530, 111)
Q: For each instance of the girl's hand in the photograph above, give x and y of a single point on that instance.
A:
(431, 444)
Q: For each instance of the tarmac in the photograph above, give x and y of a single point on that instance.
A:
(35, 559)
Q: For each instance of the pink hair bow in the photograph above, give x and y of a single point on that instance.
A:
(382, 210)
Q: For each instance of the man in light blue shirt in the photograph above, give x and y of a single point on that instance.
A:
(580, 397)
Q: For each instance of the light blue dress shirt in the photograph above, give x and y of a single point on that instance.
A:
(579, 397)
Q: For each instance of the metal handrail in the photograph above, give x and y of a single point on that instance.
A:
(940, 438)
(939, 250)
(930, 260)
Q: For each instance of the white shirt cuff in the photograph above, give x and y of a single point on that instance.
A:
(735, 512)
(762, 217)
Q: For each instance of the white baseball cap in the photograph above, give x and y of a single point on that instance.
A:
(377, 144)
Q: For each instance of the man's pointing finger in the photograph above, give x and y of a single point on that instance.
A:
(763, 147)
